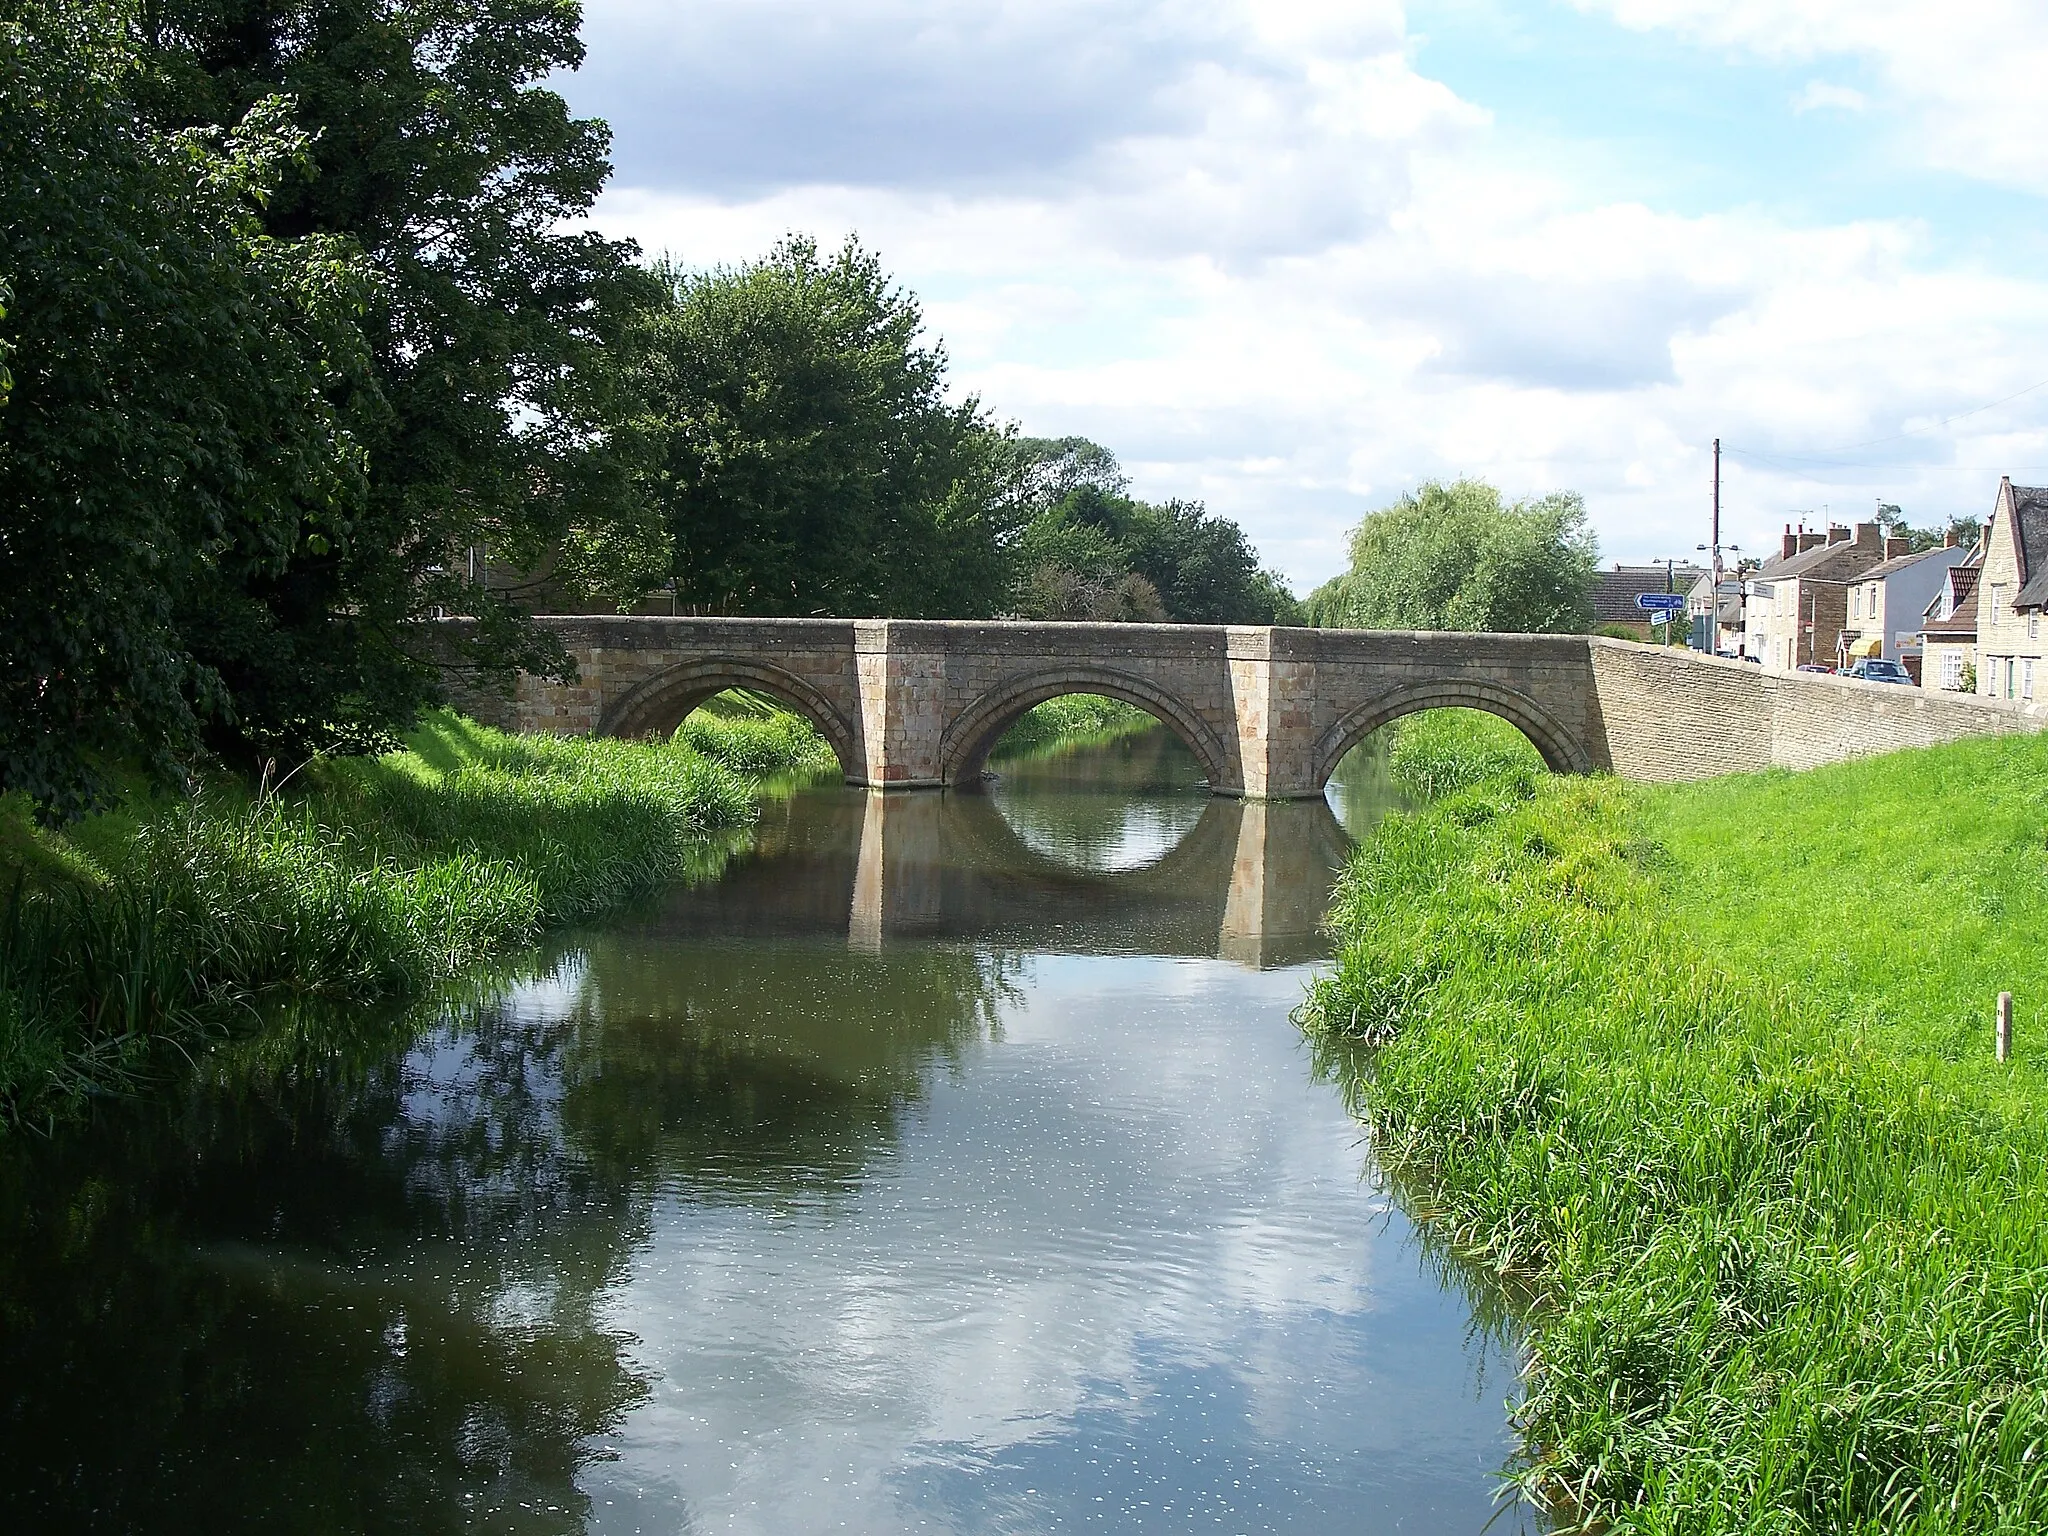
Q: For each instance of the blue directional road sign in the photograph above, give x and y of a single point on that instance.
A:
(1661, 602)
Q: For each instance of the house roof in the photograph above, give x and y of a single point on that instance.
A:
(1839, 561)
(1962, 583)
(1899, 563)
(1615, 591)
(2030, 522)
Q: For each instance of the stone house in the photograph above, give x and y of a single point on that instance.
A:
(1796, 604)
(2012, 640)
(1888, 603)
(1615, 593)
(1948, 632)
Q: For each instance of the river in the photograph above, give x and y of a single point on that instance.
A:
(951, 1165)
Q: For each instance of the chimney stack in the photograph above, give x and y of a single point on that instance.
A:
(1951, 539)
(1811, 540)
(1895, 547)
(1869, 536)
(1791, 544)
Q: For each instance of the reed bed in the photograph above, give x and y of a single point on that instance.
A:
(763, 742)
(1071, 719)
(1441, 751)
(1783, 1224)
(156, 929)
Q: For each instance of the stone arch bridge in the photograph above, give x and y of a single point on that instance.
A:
(1268, 712)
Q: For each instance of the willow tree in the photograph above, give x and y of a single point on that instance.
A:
(1457, 557)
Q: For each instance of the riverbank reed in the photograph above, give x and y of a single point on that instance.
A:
(150, 930)
(1792, 1270)
(1071, 719)
(1441, 751)
(752, 735)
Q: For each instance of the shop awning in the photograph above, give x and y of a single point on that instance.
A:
(1869, 645)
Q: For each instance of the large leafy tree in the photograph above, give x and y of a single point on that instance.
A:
(172, 414)
(1456, 557)
(1094, 552)
(813, 463)
(498, 424)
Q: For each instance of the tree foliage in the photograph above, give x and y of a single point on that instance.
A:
(1964, 528)
(1094, 552)
(494, 416)
(813, 463)
(1455, 557)
(172, 420)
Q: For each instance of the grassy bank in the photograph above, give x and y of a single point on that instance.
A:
(751, 734)
(138, 934)
(1441, 751)
(1707, 1071)
(1072, 719)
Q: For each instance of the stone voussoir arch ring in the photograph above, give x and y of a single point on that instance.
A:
(964, 747)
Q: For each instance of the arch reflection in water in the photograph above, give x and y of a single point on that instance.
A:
(1247, 882)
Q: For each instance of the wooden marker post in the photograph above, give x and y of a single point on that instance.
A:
(2004, 1025)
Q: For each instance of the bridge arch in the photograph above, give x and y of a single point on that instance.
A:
(966, 743)
(1561, 750)
(657, 705)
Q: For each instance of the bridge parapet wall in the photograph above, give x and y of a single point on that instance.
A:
(1670, 715)
(1269, 712)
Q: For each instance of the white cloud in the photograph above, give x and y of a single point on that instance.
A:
(1274, 266)
(1825, 96)
(1966, 75)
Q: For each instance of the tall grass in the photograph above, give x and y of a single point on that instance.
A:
(1786, 1234)
(753, 736)
(151, 931)
(1068, 720)
(1440, 751)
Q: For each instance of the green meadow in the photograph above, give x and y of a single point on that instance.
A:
(1704, 1075)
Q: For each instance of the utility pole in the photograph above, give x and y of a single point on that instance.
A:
(1717, 520)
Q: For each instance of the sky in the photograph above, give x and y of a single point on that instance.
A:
(1292, 260)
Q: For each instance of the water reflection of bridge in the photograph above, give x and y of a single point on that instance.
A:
(1248, 882)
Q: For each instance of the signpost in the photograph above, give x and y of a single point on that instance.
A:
(1661, 602)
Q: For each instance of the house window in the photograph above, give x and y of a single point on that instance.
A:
(2027, 678)
(1856, 603)
(2009, 677)
(1997, 602)
(2034, 624)
(1952, 670)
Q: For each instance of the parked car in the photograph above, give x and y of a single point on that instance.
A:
(1814, 666)
(1875, 669)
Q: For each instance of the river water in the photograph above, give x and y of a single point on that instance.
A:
(951, 1164)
